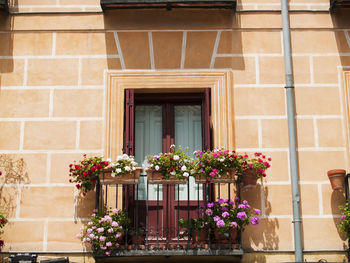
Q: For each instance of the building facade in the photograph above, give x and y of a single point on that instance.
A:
(64, 66)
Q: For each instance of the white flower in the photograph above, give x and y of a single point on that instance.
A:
(186, 174)
(113, 174)
(134, 163)
(222, 160)
(183, 168)
(156, 167)
(127, 168)
(151, 165)
(125, 156)
(118, 170)
(109, 160)
(176, 157)
(172, 173)
(172, 146)
(119, 158)
(133, 168)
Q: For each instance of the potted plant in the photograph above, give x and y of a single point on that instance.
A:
(226, 216)
(122, 171)
(85, 172)
(337, 178)
(216, 166)
(104, 231)
(195, 229)
(169, 168)
(137, 237)
(344, 223)
(254, 168)
(3, 222)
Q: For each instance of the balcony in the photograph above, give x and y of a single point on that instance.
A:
(154, 211)
(168, 4)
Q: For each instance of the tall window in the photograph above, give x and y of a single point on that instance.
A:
(153, 122)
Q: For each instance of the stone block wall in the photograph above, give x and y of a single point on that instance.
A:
(52, 97)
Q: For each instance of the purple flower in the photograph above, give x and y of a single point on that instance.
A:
(257, 211)
(208, 212)
(221, 201)
(234, 224)
(255, 220)
(210, 205)
(108, 244)
(245, 202)
(202, 206)
(241, 206)
(220, 223)
(102, 238)
(242, 215)
(231, 202)
(200, 212)
(342, 217)
(237, 199)
(226, 200)
(224, 209)
(225, 214)
(216, 218)
(100, 230)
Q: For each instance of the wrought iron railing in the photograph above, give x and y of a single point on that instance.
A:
(155, 211)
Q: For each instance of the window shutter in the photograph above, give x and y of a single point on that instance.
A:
(206, 129)
(129, 135)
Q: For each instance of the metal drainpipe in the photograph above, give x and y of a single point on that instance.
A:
(292, 132)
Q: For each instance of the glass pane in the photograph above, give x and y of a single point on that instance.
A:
(148, 140)
(188, 133)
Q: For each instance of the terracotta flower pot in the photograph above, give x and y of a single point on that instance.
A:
(225, 237)
(249, 178)
(200, 236)
(132, 178)
(140, 240)
(155, 177)
(336, 177)
(229, 177)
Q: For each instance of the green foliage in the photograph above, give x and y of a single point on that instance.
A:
(214, 164)
(85, 173)
(124, 164)
(344, 224)
(176, 163)
(104, 231)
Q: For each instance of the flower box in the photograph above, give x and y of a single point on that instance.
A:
(108, 177)
(155, 177)
(229, 177)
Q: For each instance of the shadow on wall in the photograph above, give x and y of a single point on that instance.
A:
(337, 199)
(340, 19)
(14, 172)
(85, 204)
(6, 47)
(263, 236)
(180, 39)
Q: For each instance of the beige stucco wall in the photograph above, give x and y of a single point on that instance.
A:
(52, 97)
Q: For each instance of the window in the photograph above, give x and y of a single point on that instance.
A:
(153, 122)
